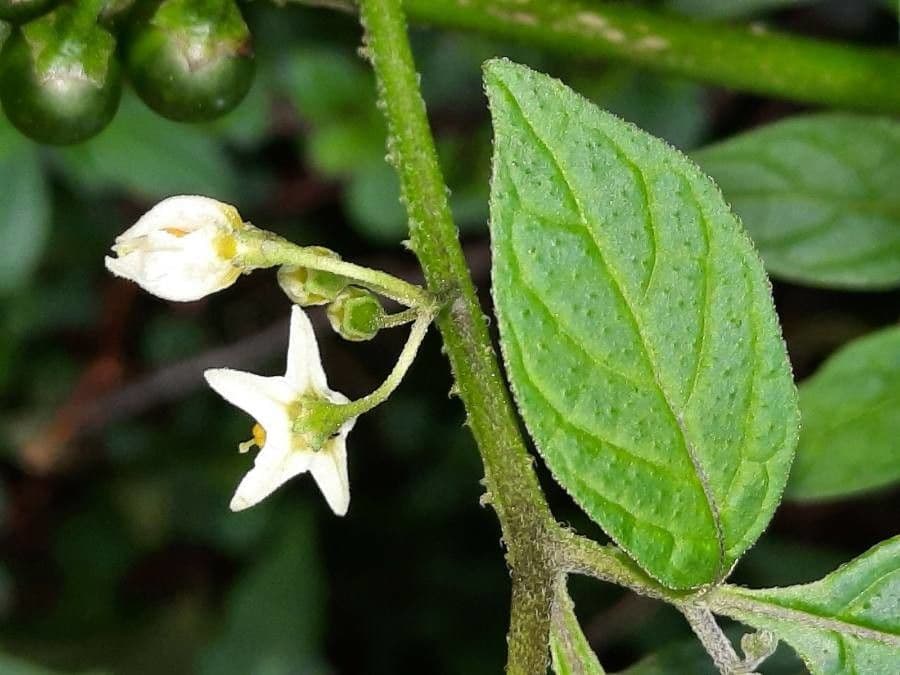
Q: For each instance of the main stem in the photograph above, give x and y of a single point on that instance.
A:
(513, 489)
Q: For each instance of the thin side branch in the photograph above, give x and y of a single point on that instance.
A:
(714, 641)
(747, 58)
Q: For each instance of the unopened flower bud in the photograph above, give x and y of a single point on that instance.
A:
(182, 249)
(306, 287)
(757, 647)
(356, 314)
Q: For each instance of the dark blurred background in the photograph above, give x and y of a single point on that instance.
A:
(119, 554)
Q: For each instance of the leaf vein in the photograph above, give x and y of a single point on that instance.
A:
(564, 421)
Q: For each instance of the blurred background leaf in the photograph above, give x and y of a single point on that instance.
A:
(851, 426)
(24, 210)
(817, 194)
(275, 613)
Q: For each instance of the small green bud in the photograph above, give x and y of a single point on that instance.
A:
(307, 287)
(356, 314)
(758, 646)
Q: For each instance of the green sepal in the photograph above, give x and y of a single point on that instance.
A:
(307, 287)
(356, 314)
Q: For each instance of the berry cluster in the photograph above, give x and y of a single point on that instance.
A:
(63, 63)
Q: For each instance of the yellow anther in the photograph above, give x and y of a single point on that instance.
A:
(176, 231)
(259, 436)
(259, 439)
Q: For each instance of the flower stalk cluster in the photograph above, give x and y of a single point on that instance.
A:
(188, 247)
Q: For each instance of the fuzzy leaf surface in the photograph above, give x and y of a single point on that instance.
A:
(819, 196)
(851, 421)
(638, 331)
(847, 622)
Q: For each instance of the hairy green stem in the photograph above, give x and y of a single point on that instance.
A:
(746, 58)
(749, 58)
(400, 318)
(404, 361)
(714, 641)
(260, 248)
(580, 555)
(512, 485)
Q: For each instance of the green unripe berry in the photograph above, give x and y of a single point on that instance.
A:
(307, 287)
(356, 314)
(60, 81)
(192, 60)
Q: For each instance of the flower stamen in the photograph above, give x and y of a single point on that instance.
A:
(259, 439)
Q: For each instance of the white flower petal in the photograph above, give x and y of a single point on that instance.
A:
(125, 266)
(269, 472)
(172, 276)
(329, 469)
(266, 399)
(179, 250)
(304, 365)
(184, 212)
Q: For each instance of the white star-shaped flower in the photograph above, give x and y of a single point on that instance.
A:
(285, 432)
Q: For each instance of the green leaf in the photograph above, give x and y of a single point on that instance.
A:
(847, 622)
(372, 201)
(569, 649)
(638, 331)
(851, 421)
(24, 210)
(327, 84)
(819, 196)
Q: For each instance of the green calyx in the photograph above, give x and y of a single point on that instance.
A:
(318, 420)
(356, 314)
(60, 82)
(192, 60)
(307, 287)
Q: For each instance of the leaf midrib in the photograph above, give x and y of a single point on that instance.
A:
(759, 605)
